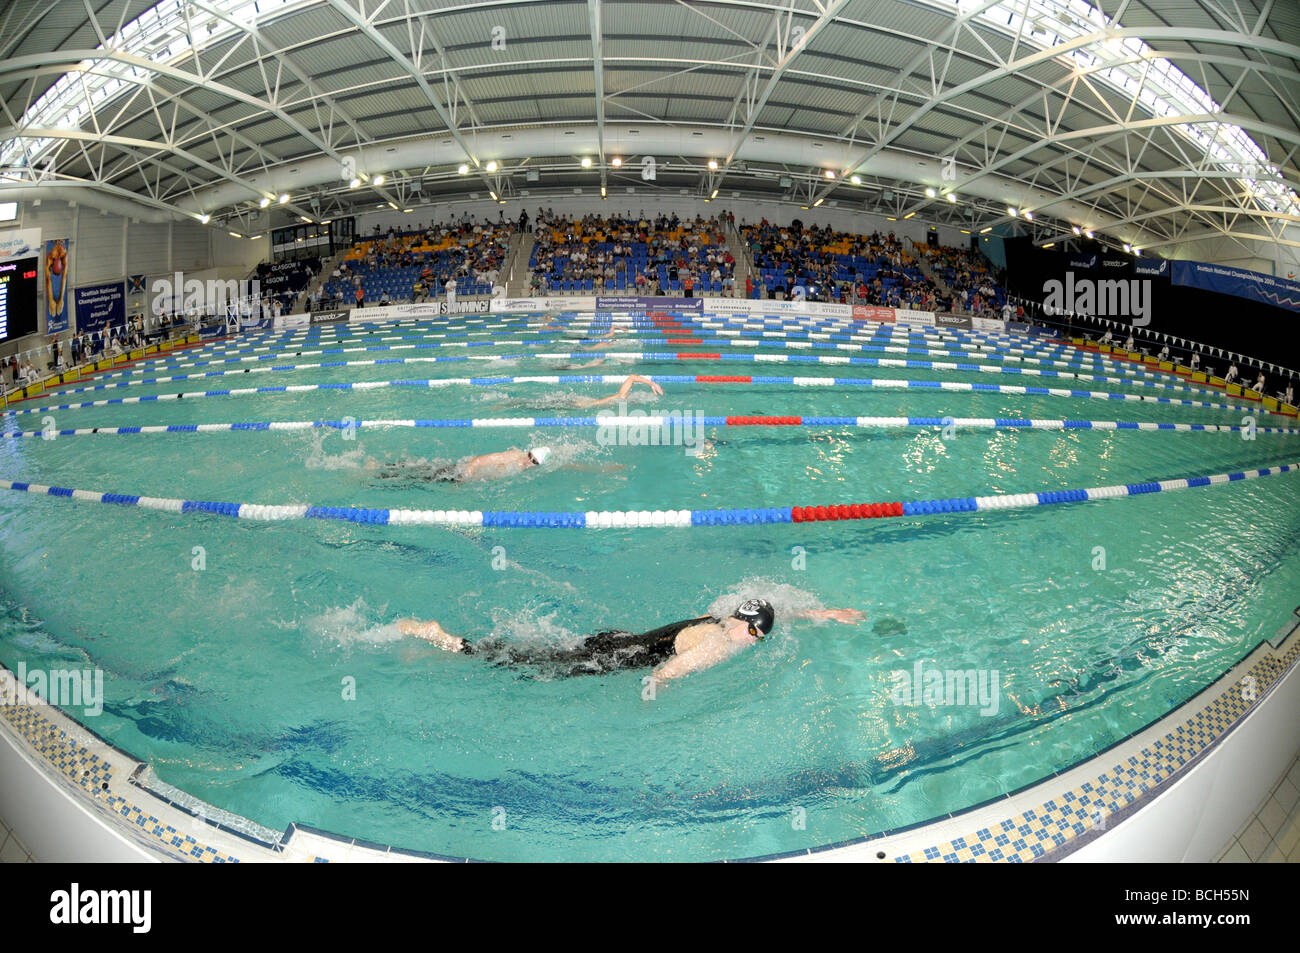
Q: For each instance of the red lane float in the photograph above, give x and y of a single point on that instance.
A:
(854, 511)
(765, 421)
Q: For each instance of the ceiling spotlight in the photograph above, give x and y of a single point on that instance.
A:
(819, 202)
(254, 237)
(1076, 229)
(304, 218)
(234, 234)
(829, 173)
(1088, 232)
(856, 179)
(602, 191)
(1128, 247)
(908, 215)
(1136, 250)
(616, 162)
(263, 202)
(204, 219)
(714, 195)
(462, 169)
(406, 211)
(354, 183)
(284, 197)
(951, 197)
(930, 193)
(586, 162)
(1011, 210)
(493, 194)
(713, 165)
(1029, 216)
(984, 231)
(380, 180)
(491, 165)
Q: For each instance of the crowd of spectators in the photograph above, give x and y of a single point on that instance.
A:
(464, 257)
(829, 265)
(644, 255)
(975, 286)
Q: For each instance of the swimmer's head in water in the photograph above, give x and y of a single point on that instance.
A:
(539, 454)
(759, 614)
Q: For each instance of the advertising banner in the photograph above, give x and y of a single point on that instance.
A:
(1255, 285)
(1151, 266)
(100, 307)
(20, 243)
(292, 321)
(904, 316)
(989, 324)
(637, 303)
(554, 303)
(867, 312)
(425, 309)
(731, 305)
(58, 276)
(960, 321)
(1081, 260)
(328, 317)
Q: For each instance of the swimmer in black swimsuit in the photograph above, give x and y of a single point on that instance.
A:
(672, 651)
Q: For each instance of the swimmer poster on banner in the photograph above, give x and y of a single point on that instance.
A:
(100, 307)
(58, 275)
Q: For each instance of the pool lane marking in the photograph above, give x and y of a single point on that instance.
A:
(661, 422)
(657, 357)
(1036, 356)
(943, 336)
(875, 383)
(623, 519)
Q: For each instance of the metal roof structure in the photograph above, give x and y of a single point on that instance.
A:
(1156, 123)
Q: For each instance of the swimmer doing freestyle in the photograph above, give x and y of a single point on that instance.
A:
(672, 651)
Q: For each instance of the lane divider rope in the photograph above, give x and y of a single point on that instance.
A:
(621, 519)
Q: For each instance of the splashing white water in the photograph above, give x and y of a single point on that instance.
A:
(318, 459)
(356, 624)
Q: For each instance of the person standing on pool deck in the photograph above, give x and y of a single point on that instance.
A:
(673, 650)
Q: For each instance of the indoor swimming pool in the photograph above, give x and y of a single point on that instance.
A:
(255, 662)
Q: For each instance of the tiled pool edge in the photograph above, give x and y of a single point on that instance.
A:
(1045, 821)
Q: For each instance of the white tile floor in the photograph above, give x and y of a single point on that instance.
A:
(11, 851)
(1272, 834)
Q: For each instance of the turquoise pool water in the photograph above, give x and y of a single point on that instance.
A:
(230, 680)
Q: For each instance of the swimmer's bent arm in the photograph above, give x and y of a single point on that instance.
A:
(703, 656)
(431, 632)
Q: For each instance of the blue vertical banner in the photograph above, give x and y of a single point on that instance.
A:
(100, 307)
(58, 277)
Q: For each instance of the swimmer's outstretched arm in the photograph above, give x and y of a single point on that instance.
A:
(632, 379)
(851, 616)
(433, 633)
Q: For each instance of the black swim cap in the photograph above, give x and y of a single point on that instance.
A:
(758, 613)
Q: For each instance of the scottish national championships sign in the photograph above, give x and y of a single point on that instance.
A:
(100, 306)
(1255, 285)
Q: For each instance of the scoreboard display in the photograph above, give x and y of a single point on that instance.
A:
(17, 297)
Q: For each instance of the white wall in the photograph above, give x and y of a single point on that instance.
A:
(107, 247)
